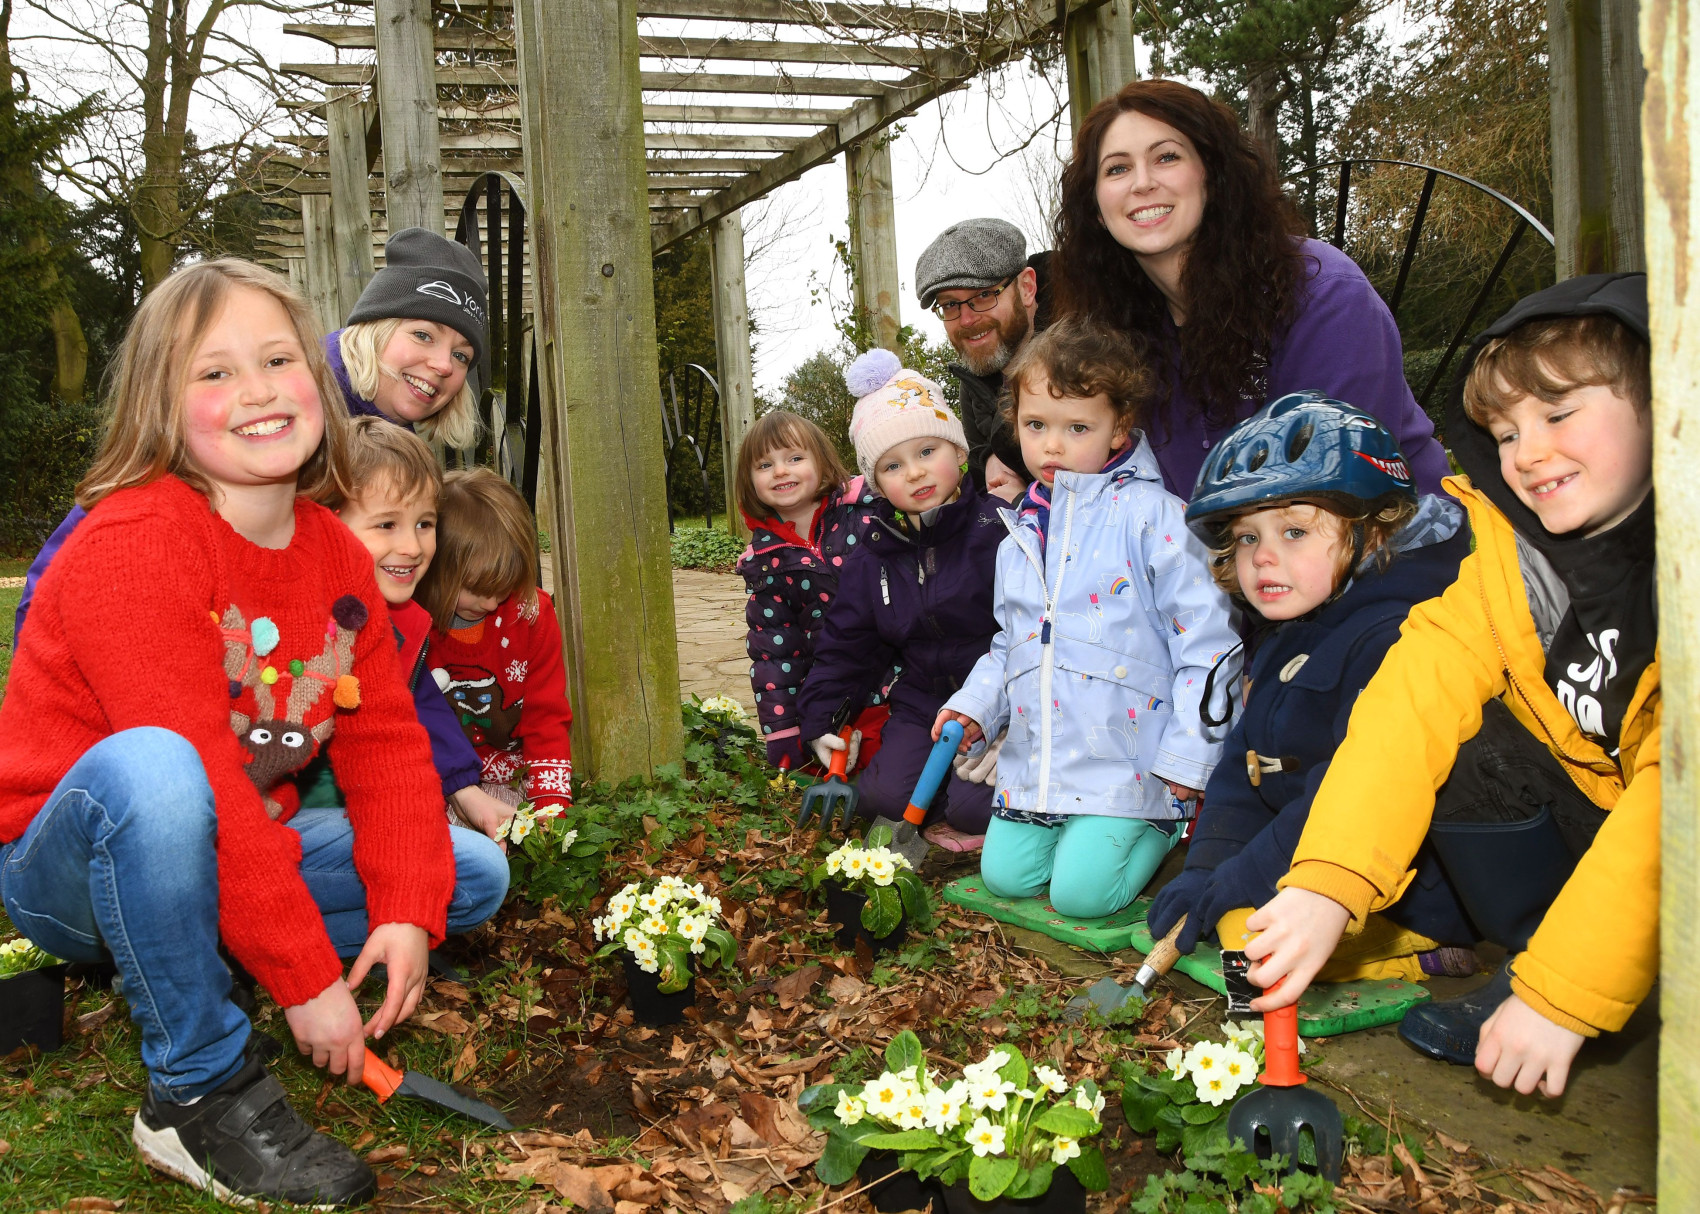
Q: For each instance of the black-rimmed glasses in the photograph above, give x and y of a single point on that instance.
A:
(983, 301)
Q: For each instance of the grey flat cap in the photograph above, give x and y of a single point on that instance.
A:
(973, 253)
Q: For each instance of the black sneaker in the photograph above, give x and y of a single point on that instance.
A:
(243, 1141)
(1449, 1030)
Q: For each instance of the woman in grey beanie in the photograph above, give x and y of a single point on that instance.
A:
(416, 343)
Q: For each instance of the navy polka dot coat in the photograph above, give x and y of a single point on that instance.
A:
(791, 580)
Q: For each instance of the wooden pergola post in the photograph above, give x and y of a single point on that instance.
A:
(1670, 121)
(873, 238)
(407, 112)
(1098, 50)
(732, 351)
(321, 259)
(1595, 69)
(351, 201)
(582, 118)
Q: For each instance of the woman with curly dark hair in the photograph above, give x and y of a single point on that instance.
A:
(1174, 229)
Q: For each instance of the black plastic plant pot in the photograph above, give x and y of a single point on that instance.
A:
(32, 1009)
(648, 1003)
(905, 1191)
(1065, 1196)
(844, 906)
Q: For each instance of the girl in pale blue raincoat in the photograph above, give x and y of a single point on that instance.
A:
(1110, 627)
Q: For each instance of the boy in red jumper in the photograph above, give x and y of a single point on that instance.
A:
(202, 634)
(496, 647)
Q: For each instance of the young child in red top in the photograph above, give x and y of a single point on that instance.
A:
(495, 645)
(201, 635)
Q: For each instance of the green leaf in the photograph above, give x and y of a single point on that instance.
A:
(1031, 1182)
(914, 895)
(1195, 1137)
(838, 1163)
(883, 911)
(1015, 1070)
(990, 1175)
(1140, 1106)
(879, 835)
(1202, 1114)
(674, 952)
(903, 1052)
(1090, 1169)
(1068, 1121)
(820, 1103)
(722, 947)
(904, 1140)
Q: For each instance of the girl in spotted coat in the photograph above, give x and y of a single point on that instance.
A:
(806, 516)
(495, 643)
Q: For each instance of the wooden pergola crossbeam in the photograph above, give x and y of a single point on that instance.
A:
(346, 75)
(894, 18)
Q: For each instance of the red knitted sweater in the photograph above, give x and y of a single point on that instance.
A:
(156, 612)
(506, 682)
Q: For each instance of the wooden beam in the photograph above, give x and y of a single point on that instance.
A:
(679, 141)
(672, 202)
(1672, 184)
(873, 242)
(485, 76)
(659, 181)
(898, 18)
(350, 199)
(407, 110)
(732, 352)
(1098, 51)
(596, 346)
(1594, 62)
(703, 164)
(321, 260)
(751, 115)
(1018, 30)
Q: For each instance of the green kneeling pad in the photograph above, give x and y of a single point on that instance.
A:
(1325, 1010)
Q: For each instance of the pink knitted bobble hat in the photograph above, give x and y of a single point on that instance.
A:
(894, 405)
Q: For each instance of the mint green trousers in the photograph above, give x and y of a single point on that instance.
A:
(1089, 867)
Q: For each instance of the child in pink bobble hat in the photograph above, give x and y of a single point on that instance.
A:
(917, 595)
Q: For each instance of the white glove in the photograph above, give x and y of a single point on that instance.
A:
(981, 768)
(830, 744)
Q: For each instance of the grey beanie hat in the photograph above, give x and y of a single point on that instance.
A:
(973, 253)
(427, 277)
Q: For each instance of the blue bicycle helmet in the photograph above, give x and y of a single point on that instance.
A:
(1304, 445)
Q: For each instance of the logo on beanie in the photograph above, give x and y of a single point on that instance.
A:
(439, 289)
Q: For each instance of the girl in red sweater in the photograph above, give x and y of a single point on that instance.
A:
(495, 644)
(199, 638)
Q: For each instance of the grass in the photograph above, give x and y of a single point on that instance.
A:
(9, 596)
(15, 566)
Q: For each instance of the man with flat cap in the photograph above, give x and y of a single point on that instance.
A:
(976, 277)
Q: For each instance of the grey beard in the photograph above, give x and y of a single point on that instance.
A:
(991, 363)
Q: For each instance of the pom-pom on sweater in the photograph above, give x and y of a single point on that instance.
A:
(505, 680)
(157, 612)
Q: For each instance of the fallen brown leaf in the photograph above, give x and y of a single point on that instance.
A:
(388, 1154)
(796, 986)
(79, 1204)
(466, 1063)
(845, 989)
(450, 1023)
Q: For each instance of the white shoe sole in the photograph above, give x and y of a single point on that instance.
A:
(163, 1151)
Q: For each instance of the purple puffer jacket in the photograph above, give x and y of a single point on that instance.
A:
(922, 601)
(792, 580)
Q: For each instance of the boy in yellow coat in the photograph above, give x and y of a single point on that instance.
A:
(1515, 724)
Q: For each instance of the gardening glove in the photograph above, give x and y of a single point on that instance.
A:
(829, 744)
(1200, 897)
(787, 748)
(981, 768)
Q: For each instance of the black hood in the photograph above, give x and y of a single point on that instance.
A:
(1621, 296)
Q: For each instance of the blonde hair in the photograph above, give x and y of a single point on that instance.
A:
(1379, 523)
(782, 429)
(454, 425)
(381, 453)
(486, 544)
(147, 430)
(1548, 358)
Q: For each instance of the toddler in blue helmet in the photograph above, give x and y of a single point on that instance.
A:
(1314, 522)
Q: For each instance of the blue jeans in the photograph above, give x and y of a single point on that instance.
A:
(122, 858)
(1093, 865)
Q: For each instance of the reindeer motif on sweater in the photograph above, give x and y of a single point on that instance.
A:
(279, 744)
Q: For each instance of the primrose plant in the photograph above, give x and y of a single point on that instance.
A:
(19, 956)
(662, 924)
(1004, 1127)
(884, 877)
(1186, 1105)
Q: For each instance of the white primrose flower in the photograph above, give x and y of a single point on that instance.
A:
(882, 871)
(1063, 1150)
(1215, 1088)
(655, 925)
(1088, 1104)
(944, 1106)
(885, 1095)
(1175, 1061)
(1239, 1066)
(1050, 1080)
(1204, 1059)
(691, 927)
(850, 1109)
(986, 1138)
(711, 905)
(855, 864)
(834, 864)
(989, 1093)
(519, 827)
(698, 947)
(653, 901)
(630, 887)
(621, 906)
(636, 941)
(568, 839)
(912, 1113)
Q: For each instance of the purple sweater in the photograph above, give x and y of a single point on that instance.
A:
(1343, 342)
(456, 762)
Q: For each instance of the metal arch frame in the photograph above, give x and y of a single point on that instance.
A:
(673, 431)
(1525, 220)
(508, 331)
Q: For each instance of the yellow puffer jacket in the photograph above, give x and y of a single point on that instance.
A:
(1596, 953)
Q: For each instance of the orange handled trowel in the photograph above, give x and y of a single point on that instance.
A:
(385, 1081)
